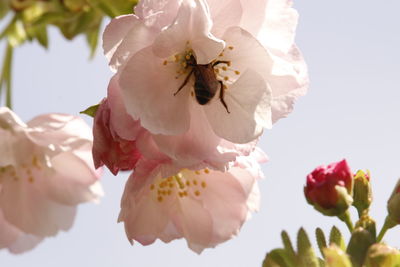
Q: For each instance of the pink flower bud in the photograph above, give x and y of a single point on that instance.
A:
(329, 188)
(109, 148)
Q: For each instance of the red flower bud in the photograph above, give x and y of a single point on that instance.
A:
(110, 149)
(329, 188)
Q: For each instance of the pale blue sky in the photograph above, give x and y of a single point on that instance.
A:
(352, 110)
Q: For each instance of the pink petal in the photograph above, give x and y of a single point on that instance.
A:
(152, 100)
(225, 14)
(249, 103)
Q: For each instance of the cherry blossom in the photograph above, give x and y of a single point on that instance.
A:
(119, 141)
(46, 169)
(206, 207)
(256, 80)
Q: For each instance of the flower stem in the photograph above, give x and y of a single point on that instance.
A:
(389, 223)
(345, 217)
(5, 79)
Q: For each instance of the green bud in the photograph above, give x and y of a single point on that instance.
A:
(359, 244)
(362, 194)
(393, 205)
(335, 257)
(382, 255)
(366, 222)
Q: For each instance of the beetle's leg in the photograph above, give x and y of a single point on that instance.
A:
(221, 62)
(221, 96)
(184, 82)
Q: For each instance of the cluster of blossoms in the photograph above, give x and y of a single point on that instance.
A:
(195, 84)
(46, 169)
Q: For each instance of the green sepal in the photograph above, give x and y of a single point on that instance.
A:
(382, 255)
(321, 240)
(336, 237)
(4, 8)
(92, 38)
(305, 253)
(277, 258)
(287, 244)
(91, 111)
(359, 244)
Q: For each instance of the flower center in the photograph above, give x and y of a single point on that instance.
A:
(184, 184)
(22, 172)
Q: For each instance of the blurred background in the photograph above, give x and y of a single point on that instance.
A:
(351, 111)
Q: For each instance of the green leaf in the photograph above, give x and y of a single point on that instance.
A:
(277, 258)
(321, 240)
(335, 237)
(91, 111)
(41, 36)
(305, 253)
(288, 246)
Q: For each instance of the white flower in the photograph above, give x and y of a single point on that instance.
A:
(46, 169)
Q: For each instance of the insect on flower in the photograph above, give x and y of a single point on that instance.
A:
(206, 83)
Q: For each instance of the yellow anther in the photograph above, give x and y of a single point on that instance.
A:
(197, 193)
(224, 68)
(185, 193)
(230, 47)
(169, 179)
(187, 183)
(216, 70)
(197, 172)
(187, 57)
(160, 199)
(237, 72)
(165, 62)
(171, 185)
(191, 93)
(226, 78)
(180, 194)
(152, 187)
(229, 63)
(203, 184)
(30, 179)
(207, 171)
(195, 182)
(221, 55)
(169, 192)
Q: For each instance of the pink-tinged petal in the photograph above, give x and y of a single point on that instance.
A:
(228, 210)
(114, 34)
(8, 233)
(249, 104)
(157, 13)
(32, 212)
(289, 81)
(24, 243)
(197, 146)
(191, 30)
(280, 24)
(58, 129)
(225, 14)
(70, 185)
(152, 99)
(195, 223)
(244, 52)
(139, 36)
(120, 121)
(254, 15)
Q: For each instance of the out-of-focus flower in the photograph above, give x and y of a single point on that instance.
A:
(335, 257)
(248, 78)
(329, 188)
(206, 207)
(46, 169)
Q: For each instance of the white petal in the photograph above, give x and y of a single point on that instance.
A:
(114, 34)
(157, 13)
(254, 15)
(249, 103)
(148, 88)
(225, 14)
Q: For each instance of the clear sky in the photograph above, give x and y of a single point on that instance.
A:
(352, 111)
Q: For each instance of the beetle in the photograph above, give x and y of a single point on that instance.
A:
(206, 83)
